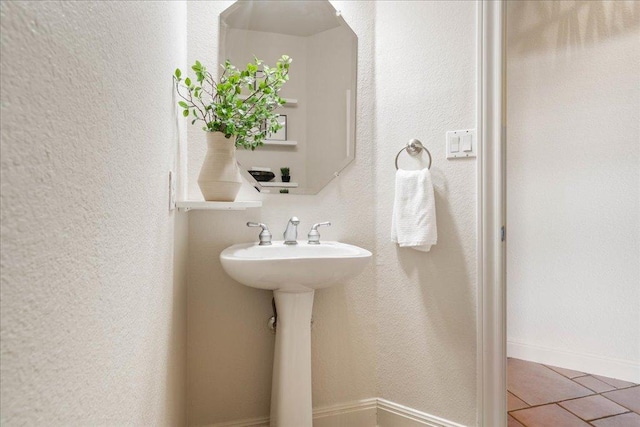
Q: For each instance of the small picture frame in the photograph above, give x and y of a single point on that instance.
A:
(259, 77)
(280, 135)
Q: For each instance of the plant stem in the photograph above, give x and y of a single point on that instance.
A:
(190, 101)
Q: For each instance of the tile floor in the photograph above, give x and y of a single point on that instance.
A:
(547, 396)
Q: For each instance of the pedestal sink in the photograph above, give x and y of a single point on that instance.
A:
(293, 273)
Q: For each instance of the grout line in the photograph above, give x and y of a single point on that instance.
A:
(546, 404)
(551, 370)
(623, 388)
(516, 420)
(554, 402)
(569, 400)
(509, 391)
(576, 398)
(611, 416)
(595, 419)
(615, 386)
(557, 403)
(573, 413)
(569, 378)
(535, 406)
(594, 393)
(618, 404)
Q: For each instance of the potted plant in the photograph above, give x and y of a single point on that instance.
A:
(230, 118)
(285, 174)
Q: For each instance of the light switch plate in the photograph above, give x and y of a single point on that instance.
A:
(457, 138)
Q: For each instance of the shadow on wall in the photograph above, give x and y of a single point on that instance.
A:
(537, 26)
(177, 357)
(444, 282)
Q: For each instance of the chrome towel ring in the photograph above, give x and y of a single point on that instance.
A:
(414, 147)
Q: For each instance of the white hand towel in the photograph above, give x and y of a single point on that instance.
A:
(414, 210)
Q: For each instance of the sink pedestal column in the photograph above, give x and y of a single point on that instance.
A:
(291, 385)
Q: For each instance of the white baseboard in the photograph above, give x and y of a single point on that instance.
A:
(372, 412)
(615, 368)
(394, 415)
(361, 413)
(357, 414)
(249, 422)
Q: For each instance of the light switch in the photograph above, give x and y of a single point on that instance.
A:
(461, 144)
(466, 142)
(455, 144)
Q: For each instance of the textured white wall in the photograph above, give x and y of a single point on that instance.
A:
(92, 296)
(88, 288)
(425, 85)
(405, 329)
(574, 177)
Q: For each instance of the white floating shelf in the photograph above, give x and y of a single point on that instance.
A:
(217, 206)
(288, 102)
(273, 142)
(280, 184)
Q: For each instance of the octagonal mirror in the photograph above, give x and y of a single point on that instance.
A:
(317, 140)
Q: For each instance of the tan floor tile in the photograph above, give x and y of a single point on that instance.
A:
(569, 373)
(628, 397)
(592, 407)
(614, 382)
(547, 416)
(513, 403)
(594, 384)
(512, 422)
(536, 384)
(629, 419)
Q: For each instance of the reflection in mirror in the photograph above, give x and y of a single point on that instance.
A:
(317, 140)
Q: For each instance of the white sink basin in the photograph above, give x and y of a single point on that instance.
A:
(293, 273)
(293, 268)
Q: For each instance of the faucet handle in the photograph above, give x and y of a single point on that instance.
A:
(265, 234)
(290, 234)
(314, 236)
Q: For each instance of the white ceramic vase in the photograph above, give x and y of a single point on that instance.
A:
(219, 178)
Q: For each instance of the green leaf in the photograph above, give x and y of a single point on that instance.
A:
(178, 73)
(245, 119)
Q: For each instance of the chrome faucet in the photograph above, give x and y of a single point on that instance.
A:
(265, 235)
(291, 233)
(314, 235)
